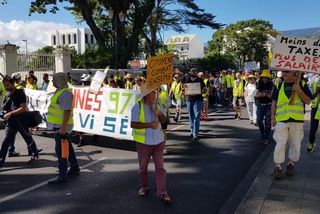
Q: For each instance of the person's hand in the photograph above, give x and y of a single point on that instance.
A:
(273, 122)
(7, 116)
(62, 131)
(156, 112)
(154, 125)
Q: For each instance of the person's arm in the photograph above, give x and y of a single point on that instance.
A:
(63, 127)
(136, 124)
(306, 99)
(21, 109)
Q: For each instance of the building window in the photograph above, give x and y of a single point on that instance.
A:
(74, 38)
(86, 38)
(64, 39)
(54, 40)
(69, 39)
(92, 39)
(185, 39)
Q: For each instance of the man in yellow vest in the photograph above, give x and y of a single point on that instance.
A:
(205, 95)
(129, 81)
(176, 96)
(288, 121)
(60, 119)
(238, 89)
(314, 122)
(229, 84)
(150, 141)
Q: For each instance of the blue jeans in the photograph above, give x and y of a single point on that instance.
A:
(63, 162)
(194, 109)
(264, 120)
(12, 127)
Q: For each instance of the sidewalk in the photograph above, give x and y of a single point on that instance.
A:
(297, 194)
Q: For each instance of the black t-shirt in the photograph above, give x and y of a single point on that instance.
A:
(266, 88)
(14, 100)
(288, 93)
(195, 97)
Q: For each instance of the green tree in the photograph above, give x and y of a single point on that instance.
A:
(127, 35)
(244, 40)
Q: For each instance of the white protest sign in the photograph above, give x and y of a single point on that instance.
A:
(192, 88)
(250, 65)
(296, 54)
(97, 80)
(107, 113)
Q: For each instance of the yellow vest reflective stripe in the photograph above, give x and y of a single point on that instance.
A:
(317, 116)
(139, 135)
(18, 86)
(285, 111)
(314, 102)
(176, 88)
(55, 113)
(128, 85)
(223, 80)
(237, 90)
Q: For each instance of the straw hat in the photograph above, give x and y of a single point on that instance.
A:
(128, 76)
(265, 73)
(279, 74)
(251, 76)
(145, 91)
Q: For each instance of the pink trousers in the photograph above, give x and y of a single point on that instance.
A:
(145, 152)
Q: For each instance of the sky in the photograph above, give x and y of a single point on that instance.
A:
(16, 25)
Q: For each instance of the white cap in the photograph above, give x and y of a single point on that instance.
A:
(279, 74)
(85, 77)
(16, 76)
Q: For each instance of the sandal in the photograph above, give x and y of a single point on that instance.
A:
(166, 198)
(143, 191)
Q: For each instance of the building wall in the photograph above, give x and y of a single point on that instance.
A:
(78, 38)
(196, 49)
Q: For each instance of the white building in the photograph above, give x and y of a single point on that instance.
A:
(187, 46)
(78, 38)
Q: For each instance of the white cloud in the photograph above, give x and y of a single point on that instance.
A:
(37, 33)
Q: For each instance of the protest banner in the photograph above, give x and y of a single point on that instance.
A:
(107, 113)
(296, 54)
(159, 70)
(192, 88)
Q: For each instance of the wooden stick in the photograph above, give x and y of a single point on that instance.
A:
(296, 81)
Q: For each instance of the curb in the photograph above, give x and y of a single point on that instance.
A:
(239, 199)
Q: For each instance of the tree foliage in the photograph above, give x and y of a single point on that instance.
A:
(144, 18)
(244, 40)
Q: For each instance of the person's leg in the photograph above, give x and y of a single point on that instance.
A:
(250, 110)
(260, 115)
(280, 136)
(10, 132)
(74, 166)
(197, 111)
(267, 122)
(157, 157)
(254, 113)
(62, 162)
(314, 123)
(191, 115)
(296, 135)
(144, 154)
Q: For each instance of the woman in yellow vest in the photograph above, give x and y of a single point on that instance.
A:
(60, 119)
(150, 141)
(176, 96)
(238, 89)
(288, 121)
(32, 82)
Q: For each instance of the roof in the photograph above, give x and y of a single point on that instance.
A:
(180, 39)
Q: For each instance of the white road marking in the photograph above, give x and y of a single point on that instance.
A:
(17, 194)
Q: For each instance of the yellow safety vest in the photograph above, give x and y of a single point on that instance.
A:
(238, 90)
(207, 88)
(163, 97)
(139, 135)
(18, 86)
(229, 81)
(55, 113)
(223, 80)
(176, 88)
(33, 86)
(314, 102)
(285, 111)
(128, 85)
(317, 116)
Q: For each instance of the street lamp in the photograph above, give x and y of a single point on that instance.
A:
(114, 15)
(26, 41)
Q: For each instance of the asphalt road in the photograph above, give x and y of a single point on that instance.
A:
(201, 176)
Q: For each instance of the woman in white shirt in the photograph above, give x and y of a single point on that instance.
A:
(249, 98)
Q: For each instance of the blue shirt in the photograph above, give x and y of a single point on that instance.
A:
(153, 136)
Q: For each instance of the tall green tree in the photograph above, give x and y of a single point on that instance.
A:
(244, 40)
(125, 36)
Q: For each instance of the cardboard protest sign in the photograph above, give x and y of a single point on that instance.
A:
(296, 54)
(159, 70)
(97, 80)
(192, 88)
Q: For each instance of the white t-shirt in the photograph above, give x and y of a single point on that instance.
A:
(250, 88)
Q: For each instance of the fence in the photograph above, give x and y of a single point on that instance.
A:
(35, 62)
